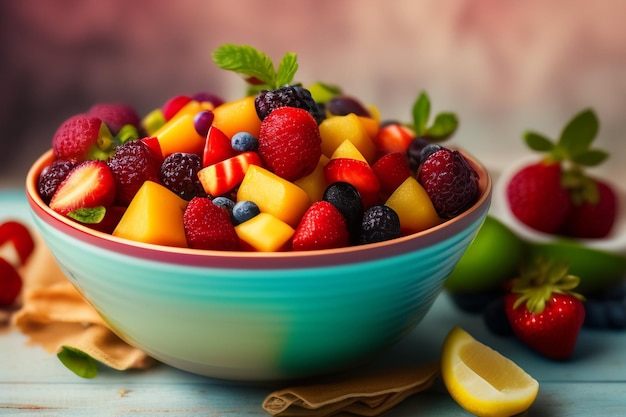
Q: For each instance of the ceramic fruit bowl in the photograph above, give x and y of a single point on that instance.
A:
(600, 263)
(253, 316)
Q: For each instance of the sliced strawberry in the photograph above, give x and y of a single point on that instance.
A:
(208, 226)
(89, 184)
(173, 105)
(152, 142)
(393, 137)
(391, 169)
(322, 227)
(219, 178)
(217, 147)
(10, 283)
(17, 234)
(357, 173)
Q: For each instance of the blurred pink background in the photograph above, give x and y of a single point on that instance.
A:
(503, 66)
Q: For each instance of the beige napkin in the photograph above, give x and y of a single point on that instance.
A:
(54, 315)
(367, 395)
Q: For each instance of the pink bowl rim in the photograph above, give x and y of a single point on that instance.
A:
(258, 260)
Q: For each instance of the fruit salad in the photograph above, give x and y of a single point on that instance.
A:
(285, 167)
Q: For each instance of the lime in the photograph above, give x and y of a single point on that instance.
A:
(483, 381)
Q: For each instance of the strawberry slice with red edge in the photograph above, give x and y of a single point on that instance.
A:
(355, 172)
(90, 184)
(393, 137)
(15, 233)
(217, 147)
(544, 311)
(219, 178)
(391, 169)
(173, 105)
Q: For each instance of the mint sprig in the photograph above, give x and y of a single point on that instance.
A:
(443, 126)
(574, 143)
(256, 66)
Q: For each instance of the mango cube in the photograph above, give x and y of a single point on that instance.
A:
(265, 233)
(237, 116)
(348, 150)
(314, 184)
(334, 130)
(180, 135)
(154, 215)
(412, 204)
(274, 195)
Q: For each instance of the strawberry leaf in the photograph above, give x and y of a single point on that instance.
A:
(538, 142)
(247, 61)
(443, 127)
(421, 114)
(91, 215)
(590, 158)
(78, 362)
(579, 133)
(286, 69)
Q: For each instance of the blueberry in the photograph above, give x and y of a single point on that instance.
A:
(495, 318)
(347, 199)
(379, 223)
(244, 142)
(225, 203)
(428, 150)
(244, 210)
(473, 303)
(414, 152)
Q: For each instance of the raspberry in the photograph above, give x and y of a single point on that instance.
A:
(450, 182)
(50, 178)
(179, 173)
(77, 138)
(287, 96)
(115, 115)
(132, 164)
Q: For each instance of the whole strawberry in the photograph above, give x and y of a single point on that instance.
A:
(537, 197)
(323, 226)
(290, 143)
(208, 226)
(450, 181)
(82, 137)
(543, 311)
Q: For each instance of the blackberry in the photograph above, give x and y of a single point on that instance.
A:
(132, 164)
(179, 173)
(50, 178)
(347, 199)
(379, 223)
(287, 96)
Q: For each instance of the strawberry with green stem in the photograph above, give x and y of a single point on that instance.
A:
(555, 195)
(544, 311)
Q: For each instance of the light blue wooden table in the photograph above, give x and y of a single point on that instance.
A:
(34, 383)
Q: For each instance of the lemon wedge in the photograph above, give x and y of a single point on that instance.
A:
(483, 381)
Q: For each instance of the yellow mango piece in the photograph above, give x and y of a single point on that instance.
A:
(180, 135)
(334, 130)
(274, 195)
(155, 215)
(192, 108)
(412, 204)
(314, 184)
(265, 233)
(370, 125)
(237, 116)
(348, 150)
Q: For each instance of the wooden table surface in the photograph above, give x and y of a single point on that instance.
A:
(35, 383)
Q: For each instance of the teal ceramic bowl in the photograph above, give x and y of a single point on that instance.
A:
(258, 316)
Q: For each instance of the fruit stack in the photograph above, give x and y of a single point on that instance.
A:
(282, 168)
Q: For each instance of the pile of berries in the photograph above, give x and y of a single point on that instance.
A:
(279, 169)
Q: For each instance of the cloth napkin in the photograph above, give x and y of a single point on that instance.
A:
(54, 315)
(370, 394)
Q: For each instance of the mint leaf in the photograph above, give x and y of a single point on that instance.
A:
(286, 69)
(538, 142)
(443, 127)
(78, 362)
(247, 61)
(91, 215)
(579, 133)
(421, 114)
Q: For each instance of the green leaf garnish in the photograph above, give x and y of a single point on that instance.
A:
(78, 362)
(255, 65)
(538, 142)
(579, 133)
(126, 133)
(91, 215)
(444, 125)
